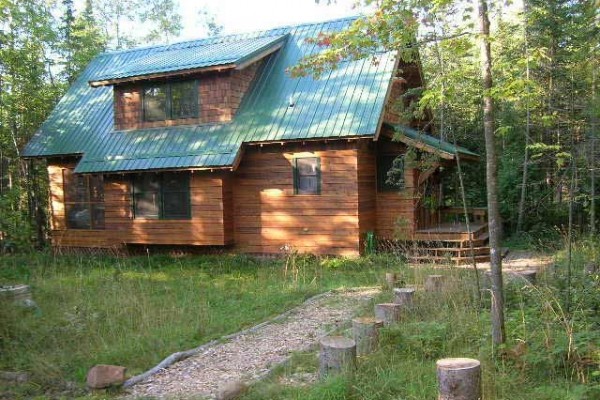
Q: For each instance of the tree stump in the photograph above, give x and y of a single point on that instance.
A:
(366, 334)
(389, 313)
(404, 296)
(390, 279)
(591, 268)
(459, 379)
(337, 356)
(434, 283)
(529, 276)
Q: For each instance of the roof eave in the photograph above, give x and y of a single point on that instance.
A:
(213, 68)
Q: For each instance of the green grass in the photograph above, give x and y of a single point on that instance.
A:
(136, 311)
(452, 324)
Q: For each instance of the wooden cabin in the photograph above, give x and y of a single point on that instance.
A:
(211, 143)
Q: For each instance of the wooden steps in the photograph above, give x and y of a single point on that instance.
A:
(450, 243)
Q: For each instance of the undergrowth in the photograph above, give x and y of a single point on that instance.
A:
(136, 311)
(551, 353)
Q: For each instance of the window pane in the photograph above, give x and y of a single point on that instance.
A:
(155, 103)
(184, 100)
(390, 173)
(175, 182)
(307, 185)
(307, 166)
(75, 187)
(146, 183)
(176, 205)
(78, 216)
(96, 188)
(146, 205)
(98, 216)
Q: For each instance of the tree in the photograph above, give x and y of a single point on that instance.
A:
(165, 20)
(494, 224)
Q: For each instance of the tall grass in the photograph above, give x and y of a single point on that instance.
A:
(136, 311)
(549, 355)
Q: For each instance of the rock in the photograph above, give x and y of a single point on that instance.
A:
(17, 377)
(231, 390)
(103, 376)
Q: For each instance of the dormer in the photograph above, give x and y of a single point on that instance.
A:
(191, 83)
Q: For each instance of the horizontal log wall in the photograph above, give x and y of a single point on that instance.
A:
(210, 195)
(268, 215)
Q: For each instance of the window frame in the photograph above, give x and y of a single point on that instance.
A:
(186, 190)
(382, 185)
(168, 87)
(88, 203)
(297, 176)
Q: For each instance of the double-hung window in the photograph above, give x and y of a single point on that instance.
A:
(162, 196)
(307, 175)
(84, 200)
(173, 100)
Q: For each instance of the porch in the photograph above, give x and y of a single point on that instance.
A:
(447, 237)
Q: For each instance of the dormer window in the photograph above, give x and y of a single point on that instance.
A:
(173, 100)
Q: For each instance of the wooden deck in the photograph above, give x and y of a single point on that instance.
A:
(451, 242)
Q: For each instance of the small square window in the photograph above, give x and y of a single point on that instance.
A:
(307, 175)
(174, 100)
(161, 196)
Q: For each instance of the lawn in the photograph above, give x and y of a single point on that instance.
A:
(136, 311)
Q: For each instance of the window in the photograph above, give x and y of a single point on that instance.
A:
(390, 173)
(161, 196)
(174, 100)
(307, 175)
(84, 200)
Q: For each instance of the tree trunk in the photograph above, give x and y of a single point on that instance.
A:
(494, 224)
(521, 213)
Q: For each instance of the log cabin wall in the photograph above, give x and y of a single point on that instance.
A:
(396, 210)
(268, 215)
(219, 97)
(367, 194)
(210, 222)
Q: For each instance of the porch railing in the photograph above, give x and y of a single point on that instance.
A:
(476, 214)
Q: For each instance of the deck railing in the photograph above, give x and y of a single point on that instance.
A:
(476, 214)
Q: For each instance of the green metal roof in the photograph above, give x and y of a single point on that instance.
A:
(192, 55)
(413, 137)
(345, 102)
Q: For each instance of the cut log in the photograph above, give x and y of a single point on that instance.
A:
(366, 334)
(526, 276)
(17, 293)
(591, 268)
(389, 313)
(434, 283)
(337, 356)
(391, 278)
(459, 379)
(404, 296)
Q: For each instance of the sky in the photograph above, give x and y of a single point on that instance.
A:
(237, 16)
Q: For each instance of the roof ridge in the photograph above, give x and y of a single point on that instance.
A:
(228, 37)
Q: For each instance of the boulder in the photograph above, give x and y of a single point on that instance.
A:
(104, 376)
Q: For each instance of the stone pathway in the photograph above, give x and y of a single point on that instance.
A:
(250, 356)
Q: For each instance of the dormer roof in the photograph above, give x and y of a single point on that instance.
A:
(226, 52)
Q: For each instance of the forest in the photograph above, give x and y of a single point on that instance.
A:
(544, 58)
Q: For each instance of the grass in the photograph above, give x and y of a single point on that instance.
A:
(560, 360)
(136, 311)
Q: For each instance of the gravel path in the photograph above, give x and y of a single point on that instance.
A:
(250, 356)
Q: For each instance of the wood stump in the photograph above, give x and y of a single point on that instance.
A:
(337, 356)
(459, 379)
(434, 283)
(591, 268)
(366, 334)
(389, 313)
(390, 279)
(528, 276)
(404, 296)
